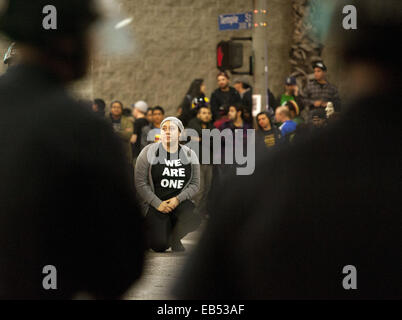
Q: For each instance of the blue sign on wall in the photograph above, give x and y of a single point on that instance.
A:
(239, 21)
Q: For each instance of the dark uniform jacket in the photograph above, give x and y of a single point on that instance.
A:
(65, 195)
(310, 211)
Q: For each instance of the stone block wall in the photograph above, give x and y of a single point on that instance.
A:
(175, 42)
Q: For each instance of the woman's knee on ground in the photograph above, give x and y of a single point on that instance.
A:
(188, 223)
(159, 246)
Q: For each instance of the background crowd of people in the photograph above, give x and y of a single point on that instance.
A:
(290, 117)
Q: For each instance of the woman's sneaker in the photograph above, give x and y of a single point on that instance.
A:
(177, 246)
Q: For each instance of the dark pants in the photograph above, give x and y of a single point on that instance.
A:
(201, 198)
(163, 228)
(220, 172)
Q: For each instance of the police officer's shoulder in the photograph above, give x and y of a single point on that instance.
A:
(72, 117)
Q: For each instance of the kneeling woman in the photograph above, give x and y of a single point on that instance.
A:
(167, 176)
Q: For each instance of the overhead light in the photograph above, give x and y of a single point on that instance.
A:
(123, 23)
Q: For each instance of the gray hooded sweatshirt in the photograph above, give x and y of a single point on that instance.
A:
(143, 176)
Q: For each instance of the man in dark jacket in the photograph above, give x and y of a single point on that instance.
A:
(139, 112)
(267, 135)
(341, 239)
(154, 128)
(319, 91)
(225, 95)
(69, 221)
(203, 122)
(246, 94)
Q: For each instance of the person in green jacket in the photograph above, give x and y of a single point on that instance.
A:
(291, 93)
(123, 127)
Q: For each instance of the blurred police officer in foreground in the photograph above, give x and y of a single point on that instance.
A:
(65, 194)
(330, 227)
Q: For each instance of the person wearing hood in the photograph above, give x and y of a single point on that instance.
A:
(167, 177)
(98, 107)
(195, 97)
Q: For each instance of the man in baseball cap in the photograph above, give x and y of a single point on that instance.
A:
(319, 118)
(320, 65)
(290, 81)
(319, 91)
(291, 93)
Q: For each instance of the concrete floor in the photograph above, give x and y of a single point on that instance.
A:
(161, 270)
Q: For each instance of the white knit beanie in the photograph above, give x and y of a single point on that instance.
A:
(176, 121)
(141, 106)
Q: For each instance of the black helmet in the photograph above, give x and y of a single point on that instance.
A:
(22, 20)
